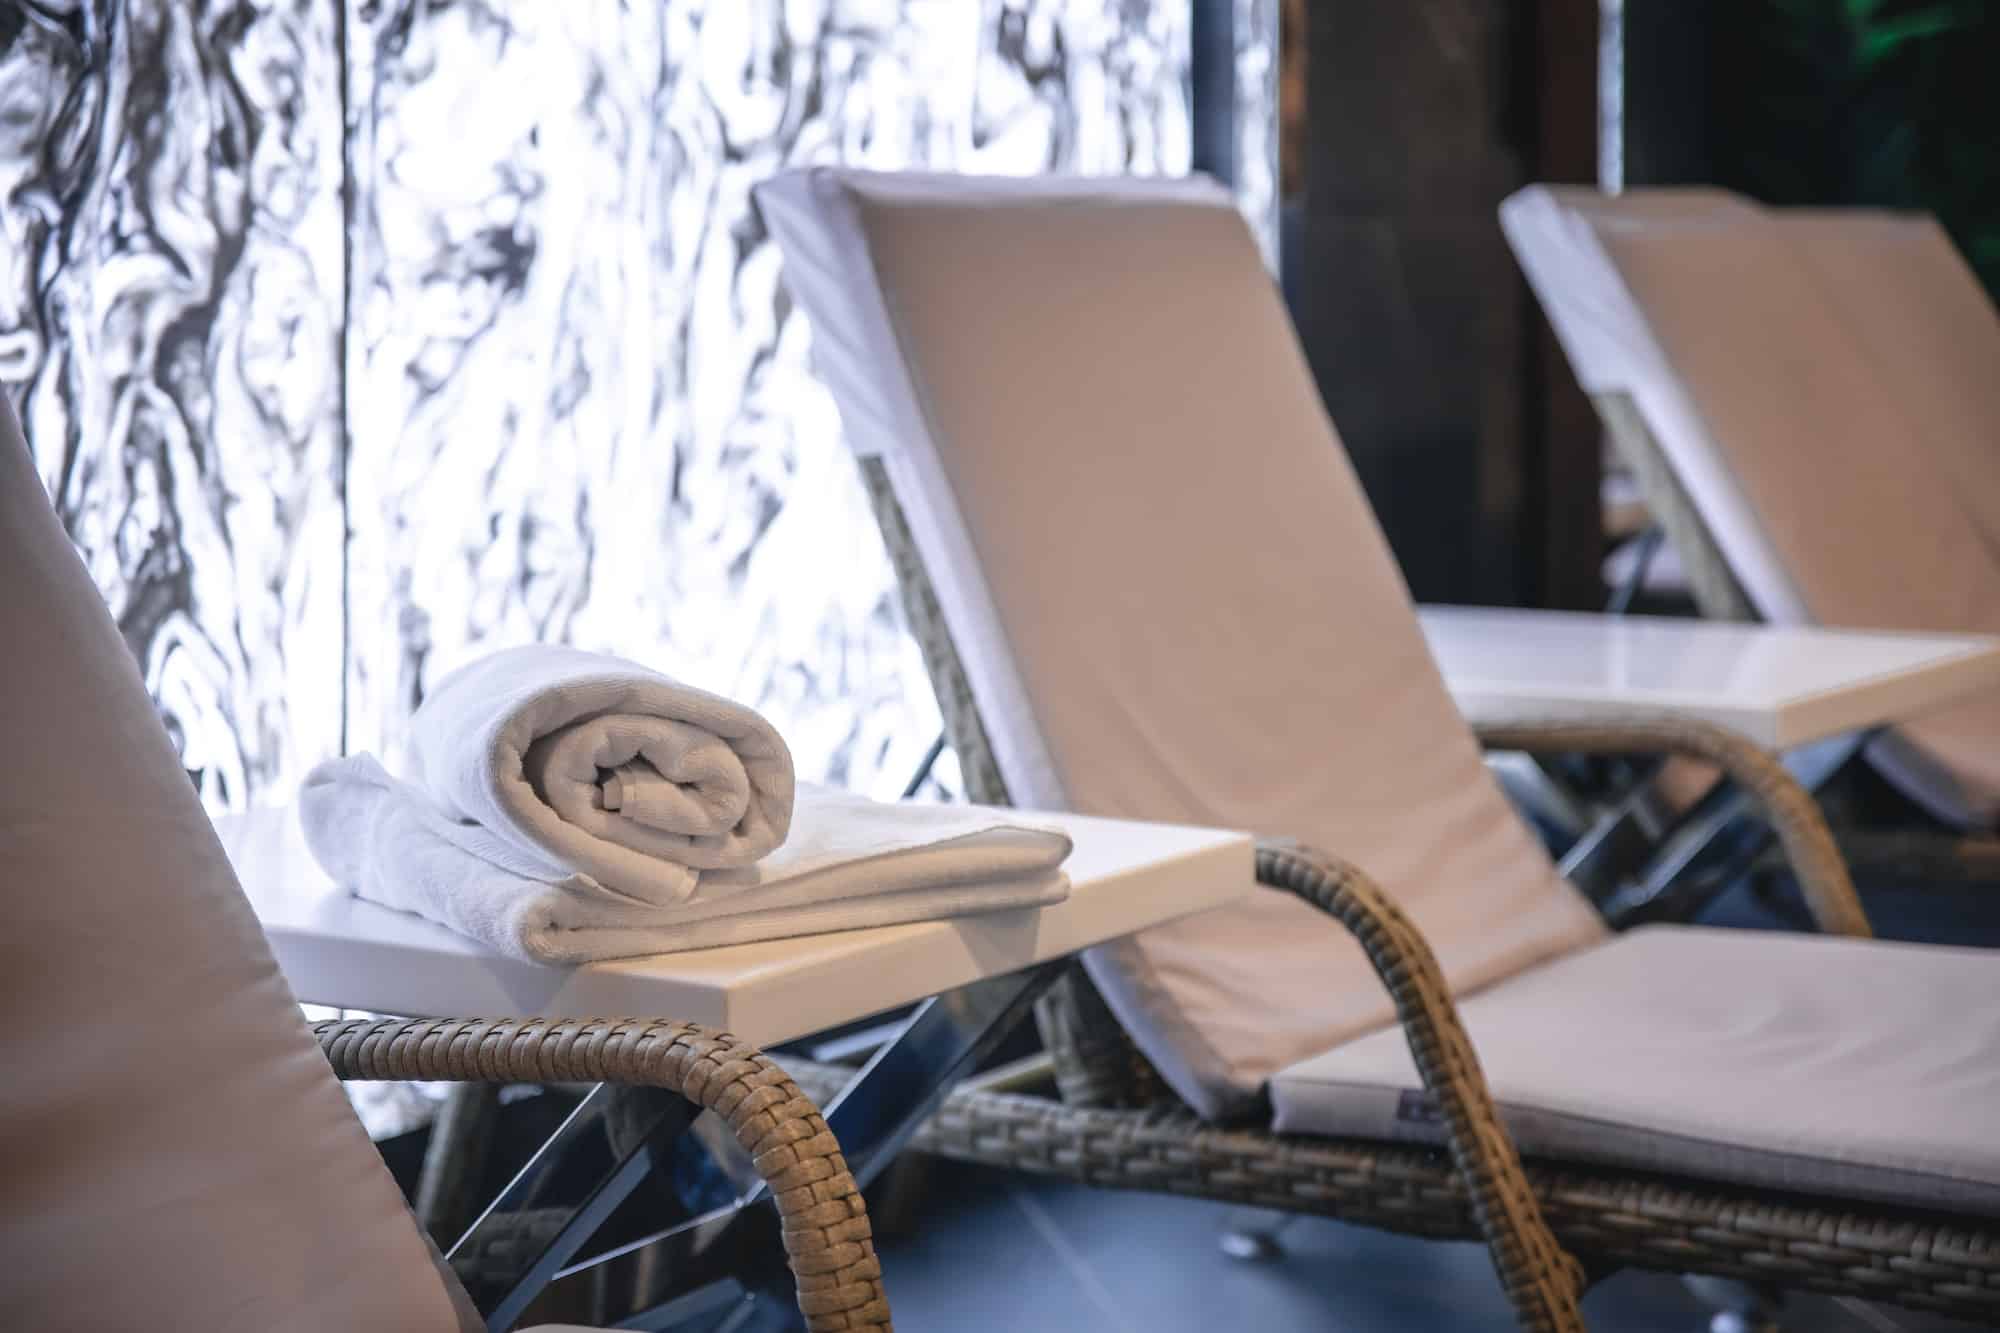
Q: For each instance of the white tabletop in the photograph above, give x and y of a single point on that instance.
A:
(1781, 686)
(340, 951)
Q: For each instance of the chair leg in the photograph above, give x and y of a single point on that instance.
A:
(1740, 1307)
(1254, 1234)
(455, 1161)
(899, 1195)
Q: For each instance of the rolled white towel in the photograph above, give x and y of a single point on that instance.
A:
(570, 808)
(581, 763)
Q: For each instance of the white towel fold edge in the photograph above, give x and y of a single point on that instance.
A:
(547, 937)
(853, 864)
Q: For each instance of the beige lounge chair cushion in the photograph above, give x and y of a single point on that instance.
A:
(1932, 336)
(1848, 1068)
(1563, 237)
(1928, 329)
(1827, 389)
(1172, 598)
(174, 1150)
(1553, 231)
(1832, 452)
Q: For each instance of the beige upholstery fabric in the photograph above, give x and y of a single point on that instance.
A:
(1824, 443)
(174, 1152)
(1561, 235)
(1927, 328)
(1816, 439)
(1932, 336)
(1827, 389)
(1148, 539)
(1553, 230)
(1851, 1068)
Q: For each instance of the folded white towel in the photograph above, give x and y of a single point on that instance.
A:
(571, 808)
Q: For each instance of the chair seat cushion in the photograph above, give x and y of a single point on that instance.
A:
(1850, 1068)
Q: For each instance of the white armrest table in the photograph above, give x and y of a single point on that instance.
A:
(1812, 695)
(1782, 686)
(977, 976)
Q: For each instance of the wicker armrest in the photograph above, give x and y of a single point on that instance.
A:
(1794, 815)
(827, 1238)
(1543, 1282)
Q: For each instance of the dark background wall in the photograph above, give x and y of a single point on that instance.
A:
(1479, 453)
(1421, 117)
(1892, 103)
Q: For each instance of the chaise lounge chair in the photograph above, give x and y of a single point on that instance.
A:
(174, 1151)
(1147, 584)
(1810, 401)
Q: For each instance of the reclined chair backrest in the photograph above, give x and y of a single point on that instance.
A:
(1928, 330)
(174, 1150)
(1814, 381)
(1166, 587)
(1555, 232)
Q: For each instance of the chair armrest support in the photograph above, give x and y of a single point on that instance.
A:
(828, 1241)
(1543, 1282)
(1793, 813)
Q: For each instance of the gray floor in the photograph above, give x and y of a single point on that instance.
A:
(989, 1251)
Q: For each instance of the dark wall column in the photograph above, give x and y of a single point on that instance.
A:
(1422, 116)
(1563, 511)
(1669, 111)
(1212, 76)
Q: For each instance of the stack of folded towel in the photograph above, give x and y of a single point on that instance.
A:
(568, 807)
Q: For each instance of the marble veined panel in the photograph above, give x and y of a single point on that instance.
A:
(1255, 26)
(170, 297)
(580, 408)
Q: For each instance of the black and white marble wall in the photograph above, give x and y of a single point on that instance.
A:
(532, 376)
(579, 410)
(1255, 25)
(170, 295)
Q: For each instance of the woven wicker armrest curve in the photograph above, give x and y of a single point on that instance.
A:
(1793, 813)
(1542, 1281)
(828, 1242)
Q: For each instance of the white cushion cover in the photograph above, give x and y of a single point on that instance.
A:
(1851, 1068)
(1553, 231)
(1171, 597)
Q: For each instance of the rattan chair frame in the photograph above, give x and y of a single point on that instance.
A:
(828, 1242)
